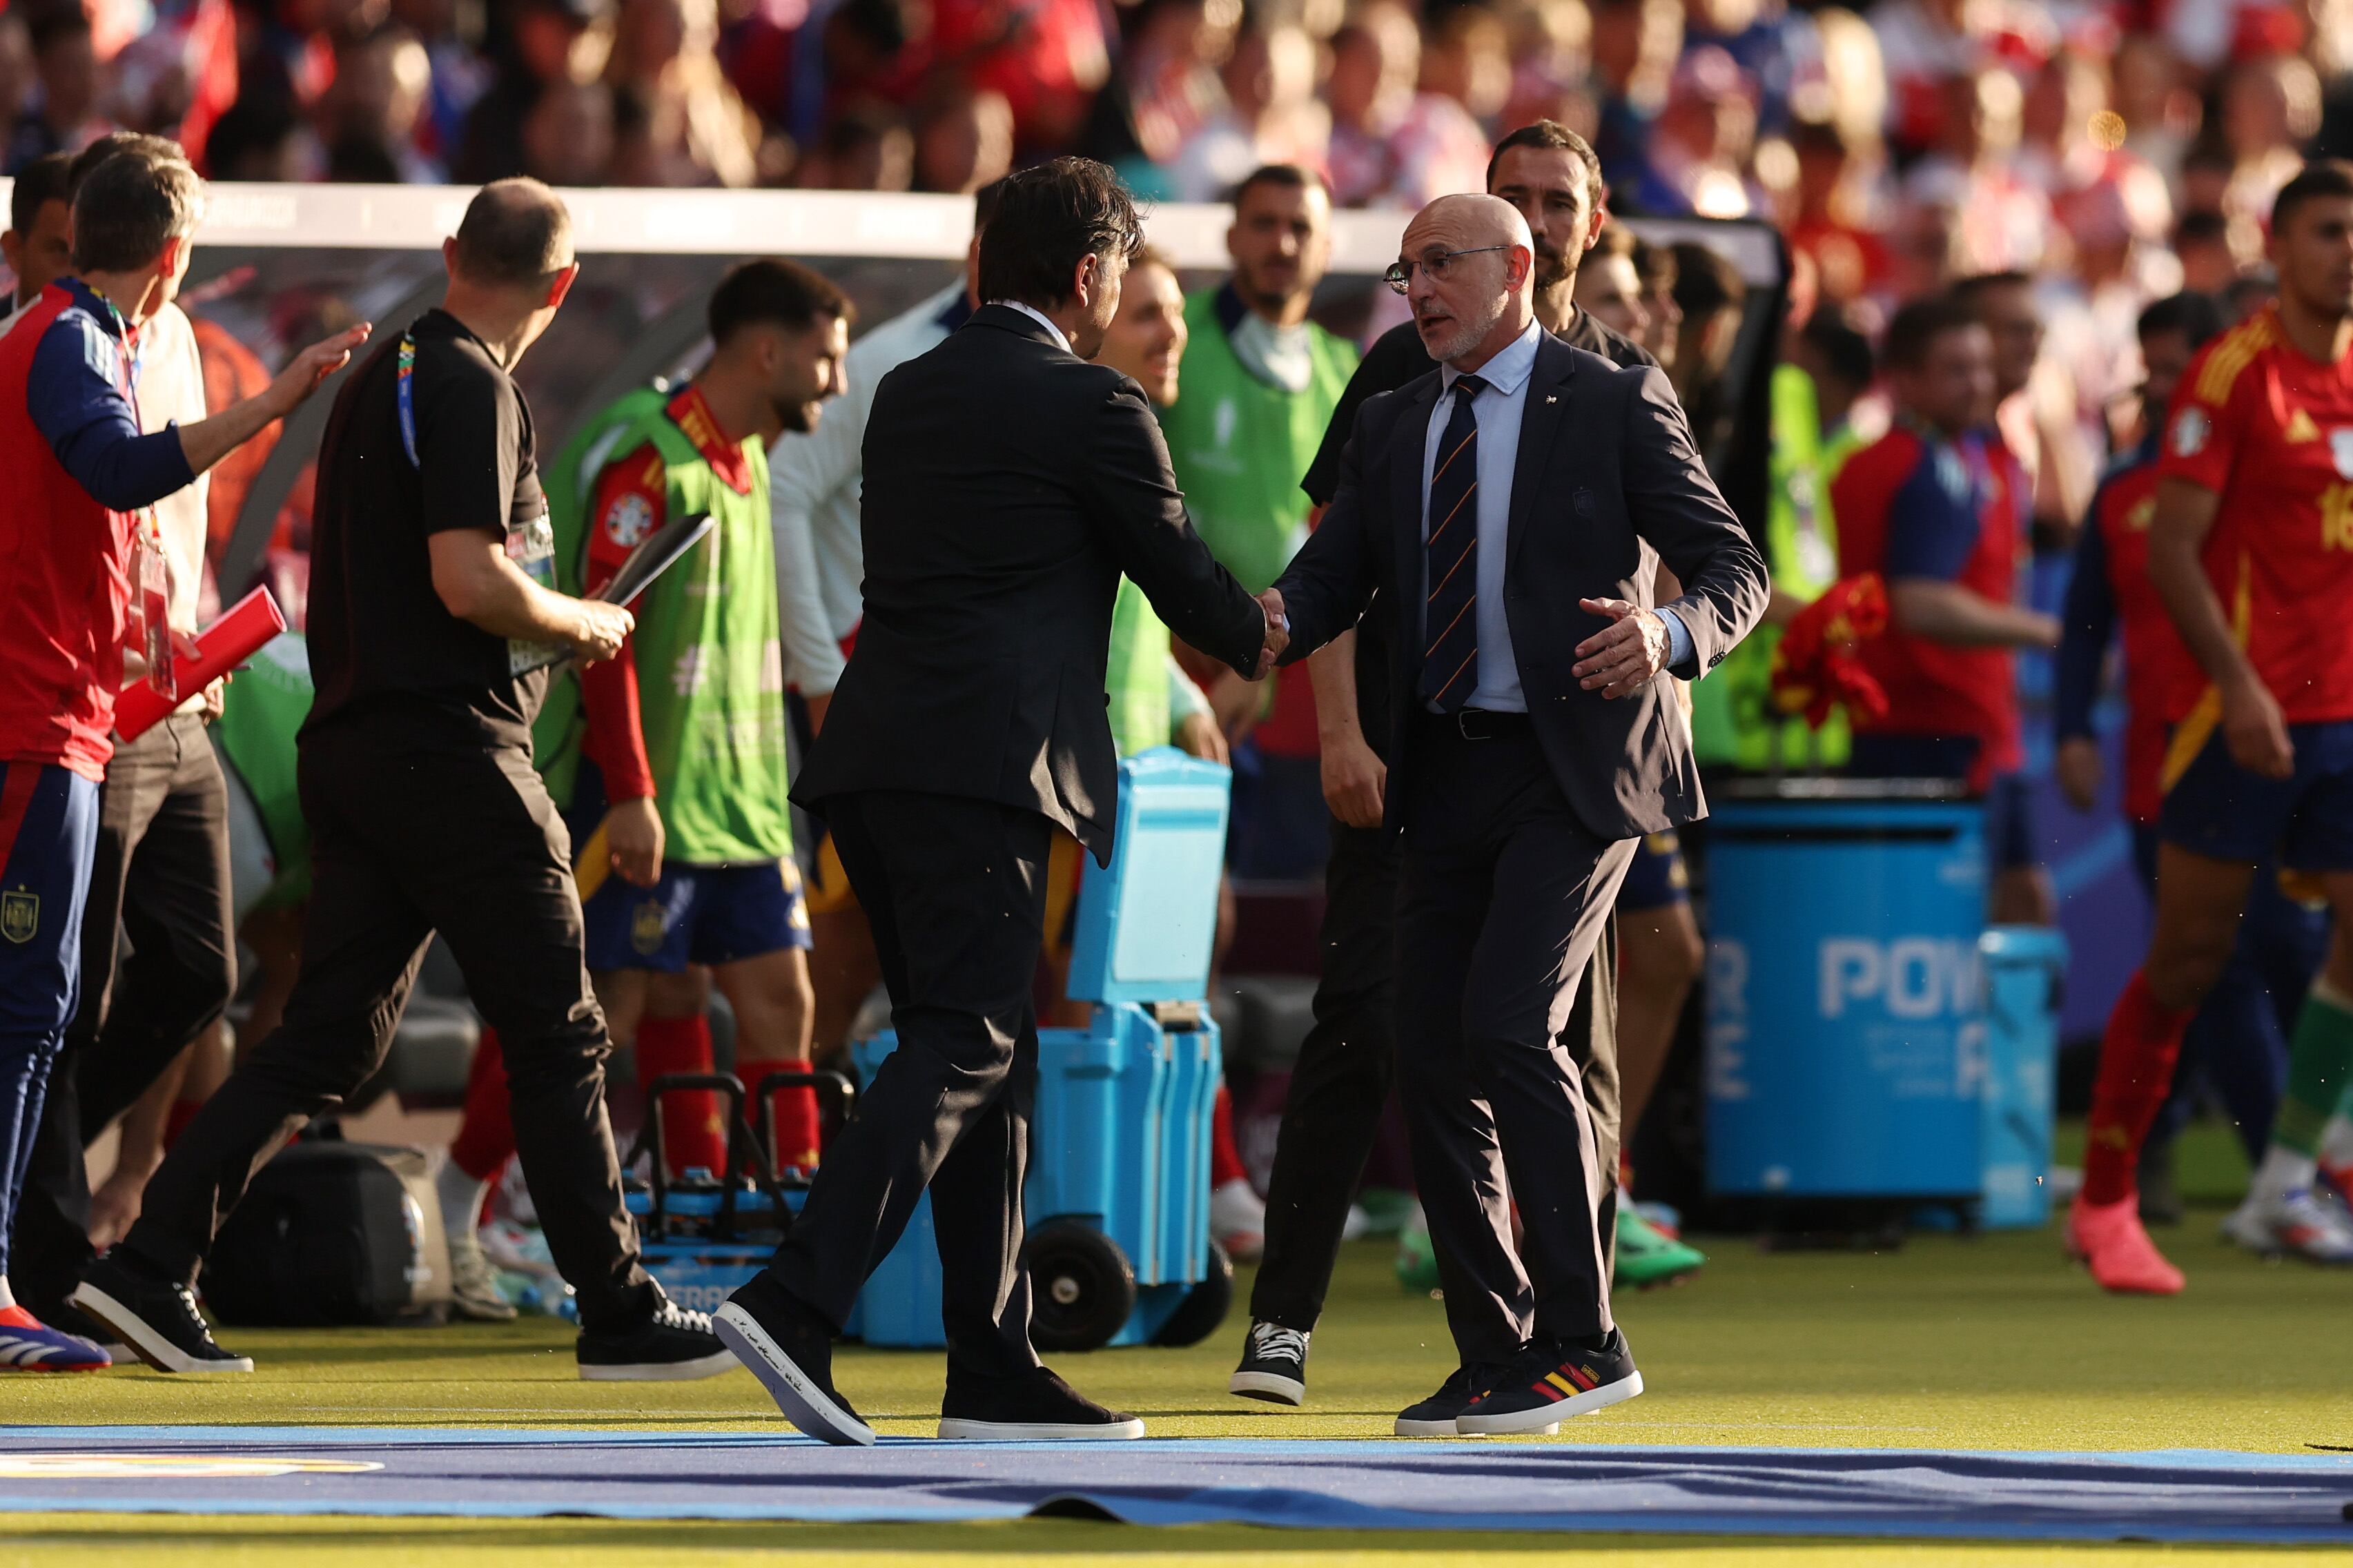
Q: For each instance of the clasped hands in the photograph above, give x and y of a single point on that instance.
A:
(1278, 633)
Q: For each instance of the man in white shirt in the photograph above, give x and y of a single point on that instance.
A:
(161, 868)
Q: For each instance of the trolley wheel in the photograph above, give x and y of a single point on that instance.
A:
(1204, 1305)
(1082, 1286)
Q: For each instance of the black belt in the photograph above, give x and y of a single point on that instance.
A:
(1478, 723)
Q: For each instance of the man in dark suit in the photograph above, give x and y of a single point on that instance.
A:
(1009, 484)
(1514, 507)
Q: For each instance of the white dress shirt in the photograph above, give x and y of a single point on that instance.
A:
(1499, 411)
(1039, 317)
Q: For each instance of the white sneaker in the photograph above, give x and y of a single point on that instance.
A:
(1238, 1219)
(2295, 1223)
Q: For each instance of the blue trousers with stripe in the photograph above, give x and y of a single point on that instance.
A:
(48, 833)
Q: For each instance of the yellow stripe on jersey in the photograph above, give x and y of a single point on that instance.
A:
(2189, 736)
(2236, 351)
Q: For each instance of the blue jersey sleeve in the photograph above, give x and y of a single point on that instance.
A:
(1932, 521)
(2087, 622)
(78, 408)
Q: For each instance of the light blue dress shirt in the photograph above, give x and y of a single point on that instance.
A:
(1499, 411)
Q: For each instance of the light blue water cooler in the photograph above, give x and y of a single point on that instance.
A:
(1845, 1016)
(1117, 1198)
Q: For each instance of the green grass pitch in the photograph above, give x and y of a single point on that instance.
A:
(1984, 1342)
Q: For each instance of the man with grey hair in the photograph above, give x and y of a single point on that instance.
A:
(432, 626)
(76, 543)
(1513, 507)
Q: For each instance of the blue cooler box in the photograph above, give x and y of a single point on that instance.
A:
(1845, 1025)
(2025, 967)
(1117, 1200)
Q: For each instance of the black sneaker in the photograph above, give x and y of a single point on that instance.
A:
(157, 1317)
(1435, 1416)
(1038, 1408)
(1552, 1380)
(1274, 1365)
(674, 1346)
(789, 1349)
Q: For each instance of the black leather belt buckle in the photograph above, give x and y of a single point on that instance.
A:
(1483, 724)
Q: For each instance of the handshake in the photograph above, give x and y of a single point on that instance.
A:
(1278, 633)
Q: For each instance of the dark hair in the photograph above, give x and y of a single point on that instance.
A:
(2321, 178)
(1706, 283)
(2195, 316)
(1972, 290)
(1616, 240)
(1654, 265)
(255, 123)
(54, 25)
(984, 204)
(515, 233)
(129, 207)
(39, 183)
(1845, 352)
(2201, 228)
(783, 293)
(1920, 323)
(358, 158)
(1288, 176)
(115, 143)
(1048, 219)
(1553, 135)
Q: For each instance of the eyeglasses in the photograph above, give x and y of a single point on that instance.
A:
(1400, 276)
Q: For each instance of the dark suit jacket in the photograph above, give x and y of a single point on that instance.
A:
(1008, 484)
(1606, 484)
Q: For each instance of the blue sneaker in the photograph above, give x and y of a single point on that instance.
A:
(28, 1344)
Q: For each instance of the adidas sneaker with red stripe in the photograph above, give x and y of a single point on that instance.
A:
(1551, 1381)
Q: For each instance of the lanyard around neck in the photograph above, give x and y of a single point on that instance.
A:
(405, 395)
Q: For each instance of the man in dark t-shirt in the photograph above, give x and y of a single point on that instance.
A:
(431, 624)
(1343, 1075)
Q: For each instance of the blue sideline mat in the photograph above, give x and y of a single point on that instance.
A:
(2178, 1495)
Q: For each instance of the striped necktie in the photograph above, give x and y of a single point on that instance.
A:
(1450, 665)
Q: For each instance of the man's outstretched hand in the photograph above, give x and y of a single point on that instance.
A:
(1278, 633)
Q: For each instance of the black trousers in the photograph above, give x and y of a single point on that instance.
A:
(1506, 902)
(418, 825)
(162, 873)
(956, 892)
(1346, 1065)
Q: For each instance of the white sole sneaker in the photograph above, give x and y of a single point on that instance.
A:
(711, 1365)
(959, 1429)
(796, 1395)
(1546, 1421)
(1406, 1428)
(143, 1342)
(1270, 1386)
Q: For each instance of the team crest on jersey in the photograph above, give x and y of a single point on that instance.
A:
(20, 915)
(2340, 451)
(630, 519)
(2190, 428)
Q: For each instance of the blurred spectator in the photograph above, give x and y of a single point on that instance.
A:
(2270, 108)
(570, 136)
(1166, 90)
(1469, 61)
(1609, 286)
(262, 139)
(461, 75)
(963, 140)
(1050, 57)
(62, 115)
(2004, 219)
(1271, 116)
(543, 41)
(2035, 408)
(40, 222)
(2206, 245)
(1635, 45)
(1836, 220)
(2249, 294)
(372, 113)
(664, 56)
(866, 148)
(1710, 297)
(1654, 265)
(1700, 145)
(179, 78)
(1392, 146)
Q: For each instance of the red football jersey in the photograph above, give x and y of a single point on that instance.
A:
(2157, 666)
(2271, 432)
